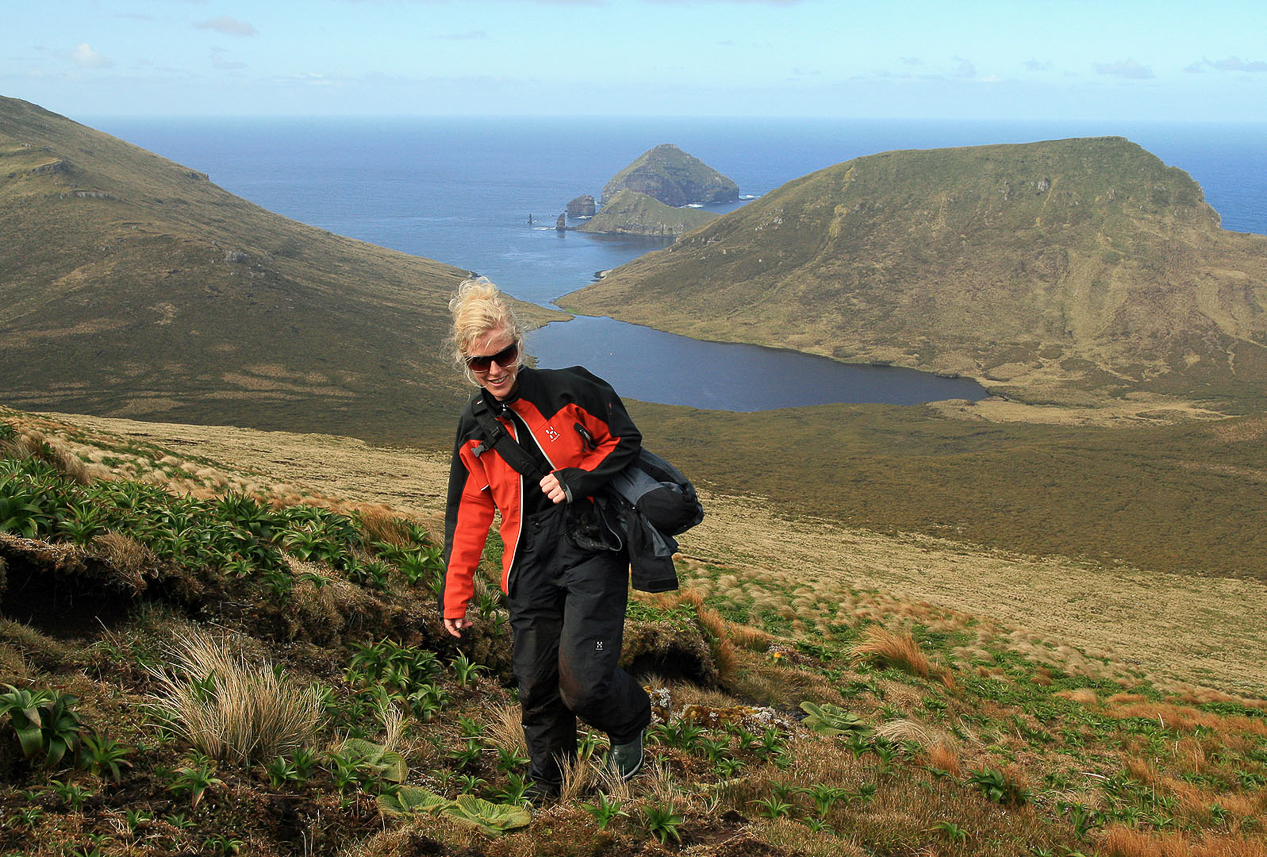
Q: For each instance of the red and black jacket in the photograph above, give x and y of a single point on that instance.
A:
(551, 404)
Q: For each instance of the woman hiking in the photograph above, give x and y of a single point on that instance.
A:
(567, 602)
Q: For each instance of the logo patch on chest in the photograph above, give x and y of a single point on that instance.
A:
(551, 433)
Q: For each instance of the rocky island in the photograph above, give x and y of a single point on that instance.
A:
(658, 195)
(673, 177)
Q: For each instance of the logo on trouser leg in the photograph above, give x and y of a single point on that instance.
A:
(598, 647)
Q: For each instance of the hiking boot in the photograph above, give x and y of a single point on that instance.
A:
(625, 760)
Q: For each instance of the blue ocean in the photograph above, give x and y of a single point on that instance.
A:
(484, 193)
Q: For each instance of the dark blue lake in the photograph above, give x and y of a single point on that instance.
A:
(460, 190)
(661, 367)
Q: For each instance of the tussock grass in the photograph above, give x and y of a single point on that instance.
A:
(505, 729)
(885, 647)
(577, 775)
(231, 709)
(382, 524)
(923, 734)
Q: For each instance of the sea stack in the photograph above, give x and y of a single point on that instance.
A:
(582, 206)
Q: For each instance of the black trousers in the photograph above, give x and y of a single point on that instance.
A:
(567, 611)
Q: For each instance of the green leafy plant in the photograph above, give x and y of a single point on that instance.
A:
(376, 759)
(469, 783)
(773, 807)
(493, 819)
(950, 831)
(105, 756)
(996, 787)
(824, 796)
(46, 722)
(467, 754)
(515, 792)
(281, 772)
(71, 794)
(663, 822)
(1083, 818)
(605, 810)
(680, 734)
(31, 815)
(194, 779)
(508, 759)
(588, 744)
(715, 749)
(828, 719)
(466, 670)
(223, 843)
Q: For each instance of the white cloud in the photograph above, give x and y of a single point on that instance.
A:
(228, 26)
(1038, 65)
(1127, 68)
(1229, 64)
(85, 57)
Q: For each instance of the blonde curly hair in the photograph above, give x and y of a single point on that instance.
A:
(478, 307)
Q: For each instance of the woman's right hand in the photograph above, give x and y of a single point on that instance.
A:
(456, 626)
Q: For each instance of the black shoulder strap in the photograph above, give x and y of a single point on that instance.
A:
(497, 438)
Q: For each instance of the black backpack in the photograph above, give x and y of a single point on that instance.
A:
(649, 484)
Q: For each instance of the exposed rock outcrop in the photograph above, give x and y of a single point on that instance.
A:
(582, 206)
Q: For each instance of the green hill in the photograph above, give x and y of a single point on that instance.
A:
(673, 177)
(1048, 269)
(133, 286)
(633, 213)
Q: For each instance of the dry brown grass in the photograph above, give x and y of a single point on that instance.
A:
(1119, 841)
(1081, 695)
(129, 558)
(791, 838)
(505, 729)
(383, 524)
(51, 450)
(577, 775)
(1182, 717)
(886, 648)
(231, 709)
(923, 734)
(946, 758)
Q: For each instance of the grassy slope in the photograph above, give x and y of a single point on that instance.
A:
(967, 739)
(633, 213)
(1048, 267)
(1187, 498)
(131, 285)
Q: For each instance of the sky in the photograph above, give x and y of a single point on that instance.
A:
(934, 59)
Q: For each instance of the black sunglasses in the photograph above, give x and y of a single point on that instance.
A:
(506, 357)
